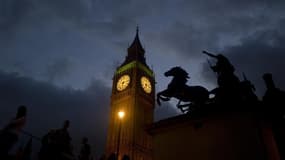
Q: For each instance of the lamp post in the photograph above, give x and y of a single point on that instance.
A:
(121, 115)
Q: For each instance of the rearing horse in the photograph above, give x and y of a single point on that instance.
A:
(177, 88)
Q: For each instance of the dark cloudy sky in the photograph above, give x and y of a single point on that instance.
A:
(58, 56)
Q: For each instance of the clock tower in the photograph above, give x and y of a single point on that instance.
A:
(133, 93)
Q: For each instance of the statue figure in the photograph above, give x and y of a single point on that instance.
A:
(247, 90)
(56, 144)
(223, 65)
(48, 149)
(85, 150)
(25, 153)
(194, 96)
(64, 138)
(274, 97)
(10, 134)
(273, 101)
(228, 82)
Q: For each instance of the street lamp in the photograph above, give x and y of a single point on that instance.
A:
(121, 115)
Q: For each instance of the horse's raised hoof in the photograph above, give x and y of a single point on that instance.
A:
(158, 102)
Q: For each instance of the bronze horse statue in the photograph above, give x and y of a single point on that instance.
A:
(194, 96)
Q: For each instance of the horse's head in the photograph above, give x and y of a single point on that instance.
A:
(177, 72)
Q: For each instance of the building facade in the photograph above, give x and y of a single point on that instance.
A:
(223, 136)
(133, 93)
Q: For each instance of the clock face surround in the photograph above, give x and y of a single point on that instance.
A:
(145, 84)
(123, 82)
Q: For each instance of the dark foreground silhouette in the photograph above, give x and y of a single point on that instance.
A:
(56, 144)
(231, 94)
(9, 135)
(194, 96)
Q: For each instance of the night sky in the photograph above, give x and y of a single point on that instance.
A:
(58, 56)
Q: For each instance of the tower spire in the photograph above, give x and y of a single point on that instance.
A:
(135, 50)
(136, 45)
(137, 33)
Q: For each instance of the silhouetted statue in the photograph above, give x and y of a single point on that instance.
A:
(64, 138)
(247, 90)
(26, 153)
(275, 110)
(194, 96)
(85, 150)
(274, 97)
(223, 65)
(9, 134)
(126, 157)
(56, 144)
(49, 147)
(228, 83)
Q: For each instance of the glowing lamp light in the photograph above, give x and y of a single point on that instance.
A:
(121, 114)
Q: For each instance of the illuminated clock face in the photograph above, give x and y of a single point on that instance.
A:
(123, 82)
(146, 85)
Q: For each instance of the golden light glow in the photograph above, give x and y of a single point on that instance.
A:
(146, 85)
(121, 114)
(123, 82)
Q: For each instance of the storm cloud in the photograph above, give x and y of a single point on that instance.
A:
(263, 52)
(93, 34)
(58, 56)
(48, 106)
